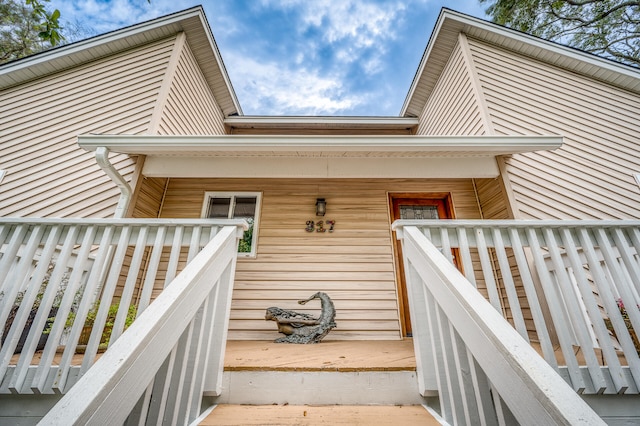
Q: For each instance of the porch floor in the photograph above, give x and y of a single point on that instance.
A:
(354, 355)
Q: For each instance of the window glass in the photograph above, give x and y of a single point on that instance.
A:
(219, 208)
(245, 207)
(227, 205)
(418, 212)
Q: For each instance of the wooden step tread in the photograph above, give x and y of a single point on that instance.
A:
(396, 415)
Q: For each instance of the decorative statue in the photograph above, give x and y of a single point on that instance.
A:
(304, 328)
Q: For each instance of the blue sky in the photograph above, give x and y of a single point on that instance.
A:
(301, 57)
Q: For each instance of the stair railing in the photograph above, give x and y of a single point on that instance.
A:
(478, 365)
(158, 370)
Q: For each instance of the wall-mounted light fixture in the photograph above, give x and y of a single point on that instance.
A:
(321, 207)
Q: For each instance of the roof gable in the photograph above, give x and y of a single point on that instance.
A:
(445, 36)
(191, 21)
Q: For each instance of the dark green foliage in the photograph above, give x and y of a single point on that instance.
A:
(26, 28)
(610, 28)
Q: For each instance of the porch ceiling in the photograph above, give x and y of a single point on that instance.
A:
(320, 156)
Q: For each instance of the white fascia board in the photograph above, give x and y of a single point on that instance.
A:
(203, 145)
(550, 46)
(93, 42)
(248, 120)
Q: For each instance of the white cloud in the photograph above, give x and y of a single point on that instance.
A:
(350, 27)
(281, 91)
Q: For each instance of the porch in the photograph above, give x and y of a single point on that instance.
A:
(556, 283)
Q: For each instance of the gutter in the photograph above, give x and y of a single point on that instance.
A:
(102, 158)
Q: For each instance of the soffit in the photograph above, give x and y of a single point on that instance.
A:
(191, 21)
(445, 37)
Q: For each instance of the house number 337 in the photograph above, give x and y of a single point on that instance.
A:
(320, 226)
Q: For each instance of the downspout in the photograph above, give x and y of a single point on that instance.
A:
(102, 158)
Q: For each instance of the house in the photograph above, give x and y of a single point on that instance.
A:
(142, 124)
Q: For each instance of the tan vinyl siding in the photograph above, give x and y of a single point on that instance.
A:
(491, 197)
(149, 198)
(190, 108)
(47, 173)
(452, 107)
(591, 175)
(354, 264)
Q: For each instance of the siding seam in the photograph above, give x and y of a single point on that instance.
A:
(475, 84)
(167, 82)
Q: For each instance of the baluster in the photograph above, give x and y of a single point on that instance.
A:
(532, 297)
(194, 246)
(444, 393)
(624, 287)
(160, 392)
(44, 312)
(608, 301)
(31, 293)
(487, 415)
(446, 244)
(96, 272)
(152, 270)
(557, 313)
(423, 340)
(509, 285)
(626, 254)
(574, 311)
(465, 254)
(174, 257)
(202, 356)
(60, 324)
(130, 284)
(108, 290)
(8, 258)
(487, 271)
(173, 409)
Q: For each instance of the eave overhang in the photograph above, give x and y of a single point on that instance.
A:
(326, 123)
(191, 21)
(445, 37)
(286, 156)
(287, 145)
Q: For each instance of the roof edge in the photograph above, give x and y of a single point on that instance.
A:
(155, 145)
(51, 61)
(450, 19)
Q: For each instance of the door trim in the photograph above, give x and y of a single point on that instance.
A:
(445, 203)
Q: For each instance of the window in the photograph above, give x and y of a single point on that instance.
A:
(236, 205)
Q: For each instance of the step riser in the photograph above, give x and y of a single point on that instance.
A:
(320, 388)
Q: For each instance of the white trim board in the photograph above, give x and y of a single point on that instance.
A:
(308, 167)
(389, 145)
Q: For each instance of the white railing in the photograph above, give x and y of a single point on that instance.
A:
(484, 368)
(157, 372)
(69, 288)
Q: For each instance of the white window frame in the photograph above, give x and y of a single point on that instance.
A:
(208, 195)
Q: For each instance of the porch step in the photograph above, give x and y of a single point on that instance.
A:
(328, 373)
(319, 415)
